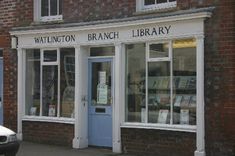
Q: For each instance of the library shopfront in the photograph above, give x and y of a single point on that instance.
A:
(110, 78)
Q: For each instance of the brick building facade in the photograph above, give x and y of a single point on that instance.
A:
(95, 16)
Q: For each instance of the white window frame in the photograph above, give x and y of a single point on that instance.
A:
(141, 7)
(52, 63)
(38, 16)
(57, 118)
(170, 126)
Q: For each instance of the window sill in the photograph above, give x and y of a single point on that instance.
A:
(49, 119)
(157, 9)
(181, 128)
(51, 18)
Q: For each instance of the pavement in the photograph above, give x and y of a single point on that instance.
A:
(34, 149)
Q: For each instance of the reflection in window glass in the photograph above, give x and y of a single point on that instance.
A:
(159, 50)
(67, 82)
(184, 75)
(149, 2)
(102, 51)
(44, 95)
(135, 83)
(49, 90)
(32, 94)
(50, 55)
(159, 92)
(60, 7)
(101, 80)
(171, 91)
(161, 1)
(53, 7)
(44, 8)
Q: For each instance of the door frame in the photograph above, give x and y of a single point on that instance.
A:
(101, 59)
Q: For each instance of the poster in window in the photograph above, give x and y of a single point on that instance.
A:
(102, 94)
(162, 116)
(33, 111)
(184, 116)
(102, 77)
(51, 111)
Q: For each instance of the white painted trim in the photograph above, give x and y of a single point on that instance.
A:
(81, 112)
(76, 101)
(180, 128)
(20, 94)
(160, 6)
(37, 12)
(174, 18)
(48, 119)
(116, 103)
(51, 18)
(200, 151)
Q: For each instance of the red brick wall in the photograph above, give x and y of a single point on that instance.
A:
(219, 80)
(158, 142)
(12, 13)
(49, 133)
(84, 10)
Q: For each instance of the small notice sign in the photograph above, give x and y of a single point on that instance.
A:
(102, 77)
(102, 94)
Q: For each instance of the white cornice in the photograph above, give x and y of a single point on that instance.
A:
(192, 16)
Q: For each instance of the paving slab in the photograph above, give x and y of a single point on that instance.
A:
(34, 149)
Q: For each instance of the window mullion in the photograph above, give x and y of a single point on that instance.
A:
(58, 7)
(41, 76)
(58, 83)
(146, 82)
(171, 82)
(49, 7)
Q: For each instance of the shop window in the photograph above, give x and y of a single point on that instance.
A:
(135, 82)
(48, 10)
(102, 51)
(162, 90)
(143, 5)
(50, 76)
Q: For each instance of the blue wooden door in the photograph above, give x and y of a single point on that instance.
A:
(1, 91)
(100, 102)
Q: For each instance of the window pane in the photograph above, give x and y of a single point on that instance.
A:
(184, 70)
(102, 51)
(32, 94)
(172, 0)
(149, 2)
(1, 53)
(54, 7)
(135, 83)
(161, 1)
(101, 83)
(49, 90)
(44, 8)
(159, 92)
(50, 56)
(60, 7)
(159, 50)
(67, 82)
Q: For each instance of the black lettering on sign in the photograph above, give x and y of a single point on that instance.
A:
(103, 36)
(155, 31)
(54, 39)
